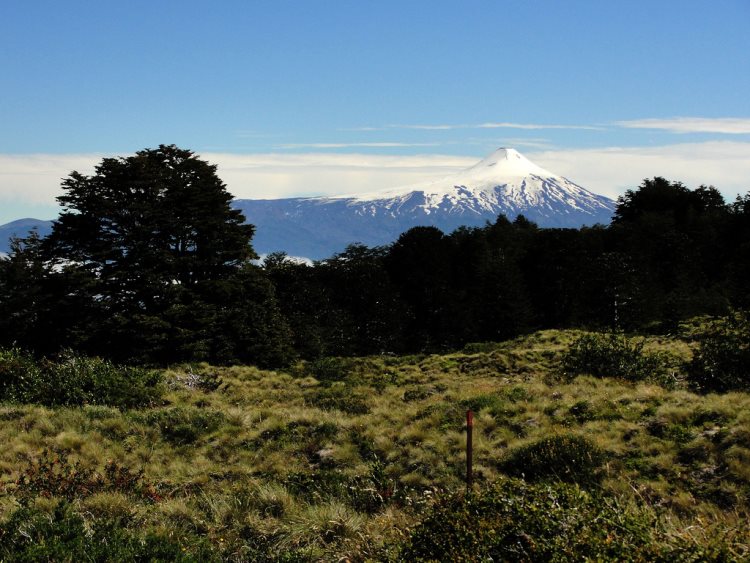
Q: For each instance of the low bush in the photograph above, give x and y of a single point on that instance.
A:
(722, 361)
(63, 535)
(75, 380)
(614, 355)
(518, 521)
(52, 474)
(564, 457)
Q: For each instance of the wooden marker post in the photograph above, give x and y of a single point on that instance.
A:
(469, 449)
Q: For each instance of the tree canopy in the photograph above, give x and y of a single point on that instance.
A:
(160, 263)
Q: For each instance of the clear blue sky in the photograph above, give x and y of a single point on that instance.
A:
(259, 77)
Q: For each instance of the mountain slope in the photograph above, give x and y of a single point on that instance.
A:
(503, 183)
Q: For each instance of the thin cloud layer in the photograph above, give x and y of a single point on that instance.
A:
(487, 125)
(535, 126)
(611, 171)
(382, 144)
(35, 178)
(725, 125)
(273, 175)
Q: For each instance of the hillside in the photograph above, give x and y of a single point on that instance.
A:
(342, 457)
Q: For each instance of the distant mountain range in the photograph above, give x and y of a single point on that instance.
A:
(316, 227)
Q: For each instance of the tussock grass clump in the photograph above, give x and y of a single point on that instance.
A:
(317, 529)
(339, 397)
(614, 355)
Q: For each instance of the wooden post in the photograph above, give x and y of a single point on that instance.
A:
(469, 450)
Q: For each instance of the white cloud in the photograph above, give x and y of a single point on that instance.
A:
(35, 178)
(430, 127)
(272, 175)
(515, 142)
(488, 125)
(366, 128)
(727, 125)
(383, 144)
(534, 126)
(611, 171)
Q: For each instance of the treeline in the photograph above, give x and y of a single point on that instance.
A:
(148, 263)
(670, 253)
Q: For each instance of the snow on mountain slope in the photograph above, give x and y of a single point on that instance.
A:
(503, 182)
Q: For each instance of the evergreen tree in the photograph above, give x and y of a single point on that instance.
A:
(166, 262)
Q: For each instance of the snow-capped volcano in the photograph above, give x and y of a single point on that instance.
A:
(503, 183)
(499, 168)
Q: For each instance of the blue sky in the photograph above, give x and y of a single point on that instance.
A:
(307, 97)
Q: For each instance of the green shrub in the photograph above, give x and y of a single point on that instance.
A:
(19, 375)
(517, 394)
(614, 355)
(34, 535)
(564, 457)
(518, 521)
(722, 361)
(75, 380)
(367, 493)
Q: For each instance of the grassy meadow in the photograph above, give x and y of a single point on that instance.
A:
(361, 459)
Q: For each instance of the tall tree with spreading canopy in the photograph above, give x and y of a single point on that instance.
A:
(167, 260)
